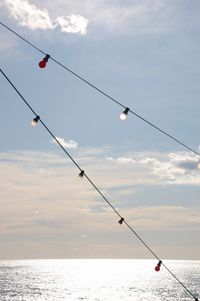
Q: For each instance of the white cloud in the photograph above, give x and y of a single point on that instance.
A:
(164, 168)
(144, 16)
(55, 199)
(185, 161)
(66, 144)
(29, 15)
(122, 160)
(122, 17)
(73, 24)
(43, 200)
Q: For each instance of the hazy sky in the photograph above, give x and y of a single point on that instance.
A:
(146, 54)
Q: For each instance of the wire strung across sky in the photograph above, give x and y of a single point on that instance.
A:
(83, 174)
(102, 92)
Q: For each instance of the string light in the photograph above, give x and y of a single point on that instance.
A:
(157, 267)
(42, 63)
(124, 114)
(82, 173)
(35, 120)
(96, 188)
(121, 221)
(103, 93)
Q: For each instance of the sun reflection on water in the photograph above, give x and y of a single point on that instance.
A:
(94, 280)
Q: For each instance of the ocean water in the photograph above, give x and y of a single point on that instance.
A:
(96, 280)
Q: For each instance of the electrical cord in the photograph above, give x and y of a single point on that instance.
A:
(82, 173)
(103, 93)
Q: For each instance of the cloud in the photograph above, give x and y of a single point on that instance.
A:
(138, 14)
(66, 144)
(110, 17)
(122, 17)
(124, 160)
(29, 15)
(73, 24)
(144, 16)
(185, 161)
(43, 201)
(46, 196)
(165, 168)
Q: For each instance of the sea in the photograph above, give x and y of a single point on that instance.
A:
(97, 280)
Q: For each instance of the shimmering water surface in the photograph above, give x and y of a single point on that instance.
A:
(96, 280)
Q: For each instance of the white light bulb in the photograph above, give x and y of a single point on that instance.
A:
(123, 116)
(35, 120)
(33, 123)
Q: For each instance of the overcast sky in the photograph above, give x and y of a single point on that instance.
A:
(146, 54)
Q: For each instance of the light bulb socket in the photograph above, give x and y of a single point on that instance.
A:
(36, 119)
(46, 58)
(121, 221)
(157, 267)
(81, 174)
(126, 111)
(124, 114)
(159, 263)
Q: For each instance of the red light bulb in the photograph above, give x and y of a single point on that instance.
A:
(42, 64)
(157, 268)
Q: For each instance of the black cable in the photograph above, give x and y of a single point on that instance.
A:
(103, 93)
(88, 83)
(39, 118)
(95, 187)
(165, 133)
(181, 283)
(19, 36)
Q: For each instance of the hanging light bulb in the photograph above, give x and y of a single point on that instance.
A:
(157, 268)
(42, 63)
(81, 174)
(121, 221)
(35, 120)
(124, 114)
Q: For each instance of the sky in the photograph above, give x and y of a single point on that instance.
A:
(145, 54)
